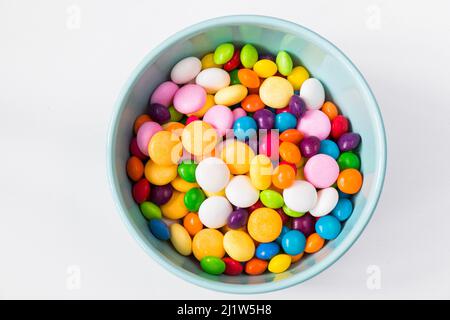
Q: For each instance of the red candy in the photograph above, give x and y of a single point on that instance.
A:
(257, 205)
(134, 150)
(233, 63)
(141, 190)
(285, 109)
(191, 119)
(339, 126)
(232, 267)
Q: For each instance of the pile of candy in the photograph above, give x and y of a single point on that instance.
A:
(240, 161)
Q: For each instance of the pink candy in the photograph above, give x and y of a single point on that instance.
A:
(315, 123)
(189, 98)
(239, 113)
(321, 171)
(220, 117)
(145, 133)
(164, 93)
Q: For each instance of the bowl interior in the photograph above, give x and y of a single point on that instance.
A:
(344, 85)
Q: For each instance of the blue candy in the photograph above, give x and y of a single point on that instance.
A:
(343, 209)
(159, 229)
(344, 195)
(293, 242)
(244, 128)
(265, 251)
(328, 227)
(284, 230)
(284, 121)
(330, 148)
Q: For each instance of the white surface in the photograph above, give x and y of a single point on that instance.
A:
(58, 85)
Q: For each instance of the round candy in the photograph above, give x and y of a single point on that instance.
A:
(326, 201)
(234, 62)
(301, 196)
(283, 176)
(186, 170)
(264, 225)
(297, 257)
(199, 138)
(223, 53)
(265, 68)
(284, 230)
(238, 113)
(330, 109)
(192, 223)
(135, 168)
(160, 195)
(298, 76)
(314, 123)
(232, 267)
(189, 98)
(314, 243)
(289, 152)
(214, 212)
(339, 126)
(165, 148)
(238, 245)
(291, 135)
(313, 93)
(292, 213)
(285, 121)
(237, 155)
(212, 174)
(329, 147)
(182, 185)
(261, 172)
(212, 265)
(141, 191)
(208, 61)
(276, 92)
(175, 207)
(305, 224)
(240, 192)
(252, 103)
(293, 242)
(208, 242)
(310, 146)
(220, 117)
(159, 175)
(343, 209)
(140, 121)
(186, 70)
(328, 227)
(244, 128)
(284, 63)
(237, 219)
(159, 229)
(271, 199)
(349, 141)
(213, 79)
(268, 144)
(164, 93)
(348, 160)
(209, 103)
(279, 263)
(349, 181)
(264, 119)
(180, 239)
(150, 210)
(255, 267)
(248, 78)
(321, 170)
(266, 251)
(193, 199)
(231, 95)
(296, 106)
(145, 133)
(249, 56)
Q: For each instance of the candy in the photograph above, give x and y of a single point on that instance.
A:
(240, 192)
(328, 227)
(292, 213)
(223, 53)
(231, 95)
(182, 185)
(234, 77)
(249, 55)
(298, 76)
(284, 63)
(212, 174)
(321, 170)
(145, 133)
(293, 242)
(180, 239)
(185, 70)
(310, 146)
(349, 181)
(264, 225)
(238, 245)
(193, 199)
(266, 251)
(237, 219)
(213, 79)
(174, 114)
(305, 224)
(135, 151)
(237, 155)
(220, 117)
(191, 119)
(140, 121)
(330, 109)
(296, 106)
(238, 113)
(283, 176)
(301, 196)
(349, 141)
(208, 61)
(268, 144)
(150, 210)
(244, 128)
(255, 267)
(209, 103)
(279, 263)
(158, 174)
(186, 170)
(284, 230)
(192, 223)
(348, 160)
(199, 138)
(159, 229)
(314, 243)
(214, 212)
(189, 98)
(291, 135)
(314, 123)
(165, 148)
(164, 93)
(208, 242)
(141, 191)
(264, 119)
(261, 169)
(326, 201)
(271, 199)
(339, 126)
(289, 152)
(212, 265)
(248, 78)
(265, 68)
(234, 62)
(232, 267)
(343, 209)
(313, 93)
(285, 121)
(329, 147)
(275, 92)
(135, 168)
(296, 258)
(175, 207)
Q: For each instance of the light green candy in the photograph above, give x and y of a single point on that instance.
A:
(249, 56)
(150, 210)
(175, 116)
(223, 53)
(292, 213)
(284, 63)
(271, 199)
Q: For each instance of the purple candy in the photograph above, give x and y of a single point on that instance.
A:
(160, 195)
(264, 119)
(159, 113)
(237, 219)
(310, 146)
(349, 141)
(297, 106)
(305, 224)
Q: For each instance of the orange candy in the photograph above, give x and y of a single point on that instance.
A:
(283, 176)
(349, 181)
(256, 266)
(291, 135)
(140, 120)
(252, 103)
(174, 127)
(330, 109)
(314, 243)
(248, 78)
(289, 152)
(296, 257)
(192, 223)
(135, 168)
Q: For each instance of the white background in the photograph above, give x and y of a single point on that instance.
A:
(58, 85)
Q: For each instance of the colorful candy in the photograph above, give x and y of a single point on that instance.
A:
(180, 239)
(276, 92)
(214, 212)
(249, 56)
(238, 245)
(280, 263)
(264, 225)
(208, 242)
(212, 265)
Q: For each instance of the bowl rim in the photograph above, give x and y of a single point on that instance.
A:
(353, 234)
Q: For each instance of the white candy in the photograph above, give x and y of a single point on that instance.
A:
(212, 174)
(214, 212)
(301, 196)
(241, 192)
(213, 79)
(312, 93)
(186, 70)
(326, 201)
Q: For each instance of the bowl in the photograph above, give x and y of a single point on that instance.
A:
(343, 83)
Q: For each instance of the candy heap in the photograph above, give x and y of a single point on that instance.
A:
(240, 161)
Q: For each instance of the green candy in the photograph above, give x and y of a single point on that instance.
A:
(271, 199)
(223, 53)
(175, 116)
(249, 56)
(212, 265)
(292, 213)
(284, 63)
(186, 170)
(193, 199)
(234, 79)
(150, 210)
(348, 160)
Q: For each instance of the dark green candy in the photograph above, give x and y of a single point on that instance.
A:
(348, 160)
(186, 170)
(234, 77)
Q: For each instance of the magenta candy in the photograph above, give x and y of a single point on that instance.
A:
(284, 217)
(269, 144)
(285, 109)
(349, 141)
(237, 218)
(305, 224)
(297, 106)
(159, 113)
(309, 146)
(160, 195)
(191, 119)
(164, 93)
(264, 119)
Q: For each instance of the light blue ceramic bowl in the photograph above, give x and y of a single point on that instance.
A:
(344, 85)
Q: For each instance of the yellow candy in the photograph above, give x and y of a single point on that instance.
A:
(160, 175)
(199, 138)
(226, 228)
(208, 242)
(275, 92)
(180, 239)
(220, 193)
(238, 245)
(208, 104)
(175, 208)
(298, 76)
(182, 185)
(231, 95)
(261, 169)
(208, 61)
(264, 225)
(265, 68)
(237, 155)
(165, 148)
(280, 263)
